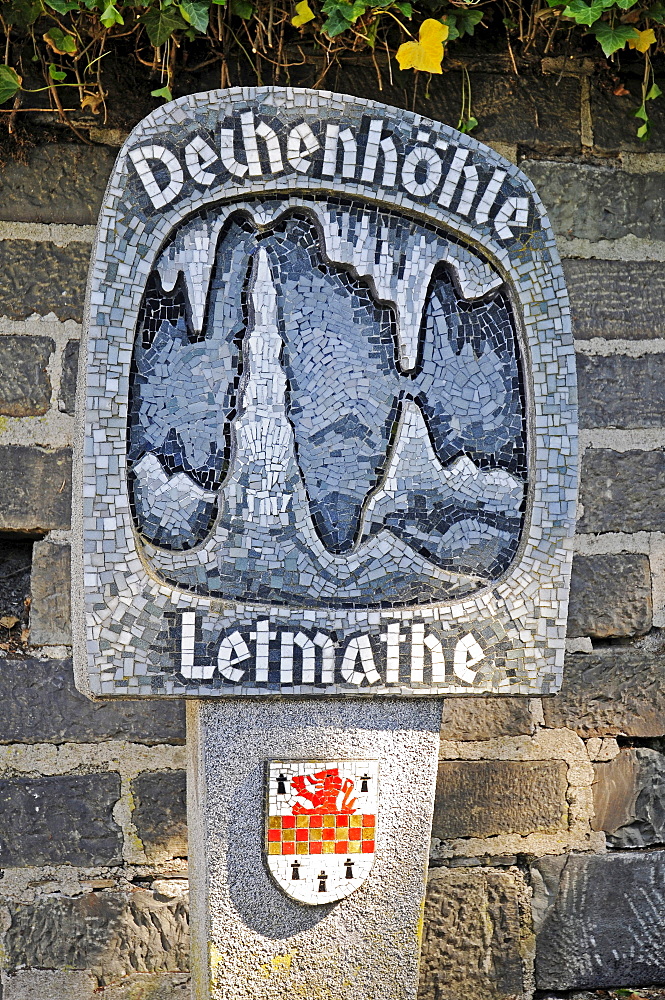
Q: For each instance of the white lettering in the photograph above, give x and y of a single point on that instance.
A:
(513, 212)
(392, 637)
(227, 153)
(489, 197)
(452, 177)
(420, 642)
(375, 146)
(301, 140)
(264, 132)
(158, 196)
(349, 145)
(227, 662)
(308, 657)
(188, 631)
(198, 157)
(428, 159)
(468, 191)
(467, 653)
(327, 657)
(359, 647)
(262, 636)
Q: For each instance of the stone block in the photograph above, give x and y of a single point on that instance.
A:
(42, 278)
(622, 392)
(59, 820)
(471, 936)
(50, 583)
(576, 198)
(70, 190)
(613, 117)
(599, 921)
(604, 304)
(48, 984)
(610, 595)
(629, 798)
(40, 704)
(509, 108)
(613, 691)
(160, 813)
(622, 491)
(110, 934)
(70, 359)
(25, 387)
(488, 797)
(55, 984)
(485, 718)
(35, 488)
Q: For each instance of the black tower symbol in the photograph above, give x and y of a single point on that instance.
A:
(281, 783)
(322, 882)
(349, 868)
(295, 871)
(364, 778)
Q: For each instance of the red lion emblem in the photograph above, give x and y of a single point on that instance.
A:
(323, 789)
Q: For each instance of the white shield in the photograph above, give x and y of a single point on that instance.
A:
(321, 826)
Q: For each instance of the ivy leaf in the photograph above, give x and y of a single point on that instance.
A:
(657, 12)
(10, 83)
(63, 6)
(110, 16)
(303, 14)
(55, 73)
(60, 41)
(164, 92)
(654, 92)
(642, 113)
(195, 13)
(243, 9)
(612, 39)
(644, 42)
(427, 53)
(22, 13)
(583, 13)
(466, 21)
(341, 15)
(160, 24)
(625, 4)
(404, 8)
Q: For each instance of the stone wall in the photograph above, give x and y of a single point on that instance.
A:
(548, 846)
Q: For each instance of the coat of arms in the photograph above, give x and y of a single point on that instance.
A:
(321, 826)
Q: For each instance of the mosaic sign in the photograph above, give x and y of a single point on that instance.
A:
(328, 422)
(321, 827)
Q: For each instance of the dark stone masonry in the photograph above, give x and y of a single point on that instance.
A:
(549, 839)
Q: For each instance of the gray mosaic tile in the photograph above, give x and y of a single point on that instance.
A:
(328, 435)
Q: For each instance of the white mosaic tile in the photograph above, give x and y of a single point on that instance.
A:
(328, 422)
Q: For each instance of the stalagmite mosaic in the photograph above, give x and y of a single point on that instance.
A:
(328, 421)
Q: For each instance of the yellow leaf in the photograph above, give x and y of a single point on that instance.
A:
(304, 13)
(427, 53)
(8, 621)
(642, 43)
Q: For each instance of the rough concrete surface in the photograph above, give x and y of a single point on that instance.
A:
(262, 943)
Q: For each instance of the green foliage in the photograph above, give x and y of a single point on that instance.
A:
(612, 37)
(67, 40)
(10, 83)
